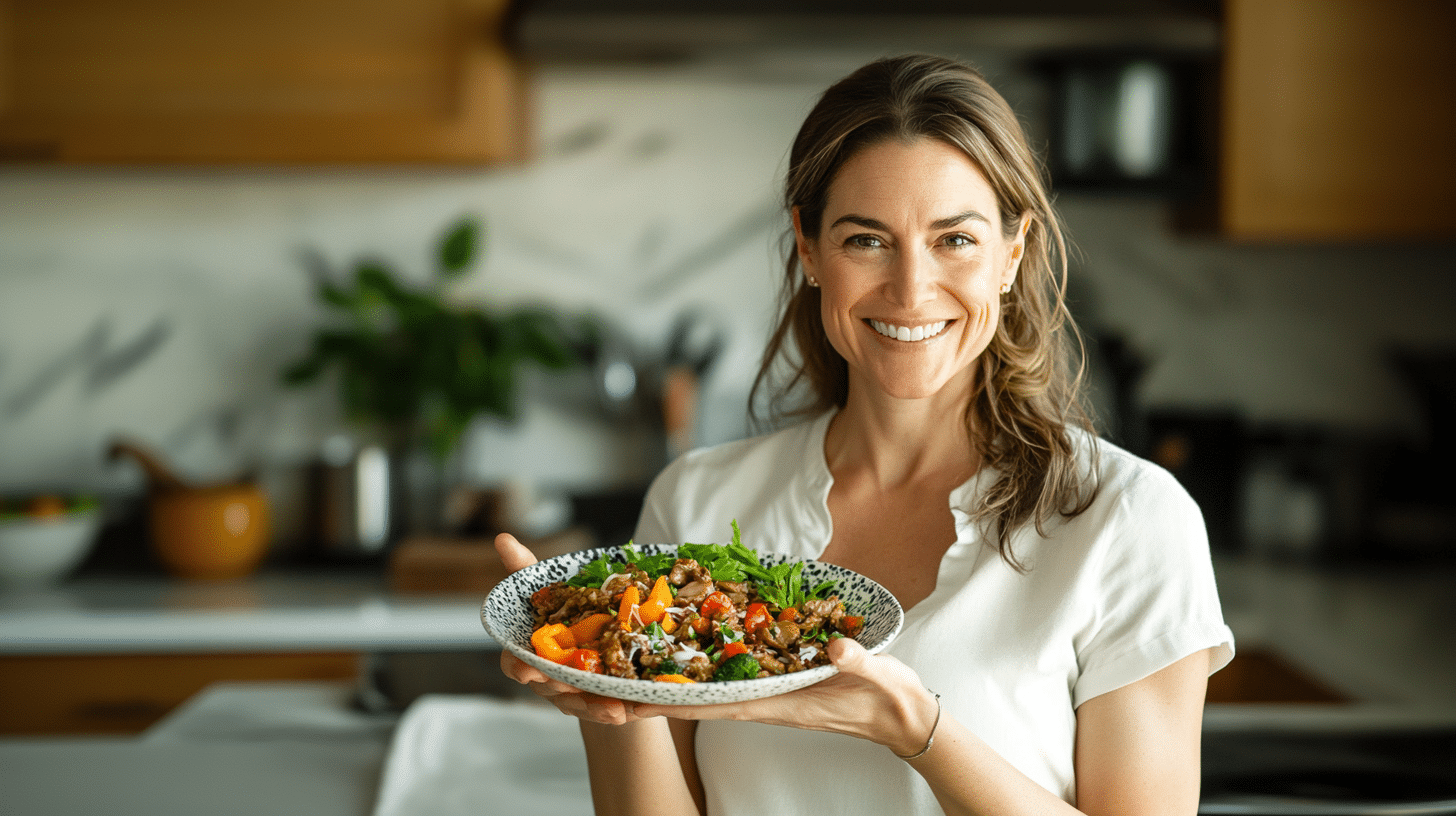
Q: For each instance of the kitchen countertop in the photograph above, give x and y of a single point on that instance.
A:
(249, 748)
(271, 611)
(1382, 634)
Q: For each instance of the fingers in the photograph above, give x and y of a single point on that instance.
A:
(848, 655)
(513, 554)
(523, 672)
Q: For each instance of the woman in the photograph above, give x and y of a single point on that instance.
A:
(1059, 595)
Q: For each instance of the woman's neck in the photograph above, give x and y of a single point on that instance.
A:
(897, 442)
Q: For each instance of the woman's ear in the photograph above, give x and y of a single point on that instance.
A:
(1018, 249)
(804, 247)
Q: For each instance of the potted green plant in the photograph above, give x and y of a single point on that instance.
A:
(414, 363)
(415, 366)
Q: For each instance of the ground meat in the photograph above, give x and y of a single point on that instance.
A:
(617, 583)
(700, 668)
(686, 570)
(692, 593)
(815, 612)
(651, 660)
(768, 662)
(781, 635)
(575, 602)
(737, 592)
(616, 653)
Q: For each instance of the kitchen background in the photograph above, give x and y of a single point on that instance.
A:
(161, 303)
(1287, 347)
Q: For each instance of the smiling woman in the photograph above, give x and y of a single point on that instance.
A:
(1058, 591)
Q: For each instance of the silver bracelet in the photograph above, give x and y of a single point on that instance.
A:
(931, 741)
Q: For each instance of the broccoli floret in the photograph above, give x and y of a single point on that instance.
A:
(737, 667)
(668, 666)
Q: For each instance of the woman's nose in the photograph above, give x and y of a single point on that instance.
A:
(912, 279)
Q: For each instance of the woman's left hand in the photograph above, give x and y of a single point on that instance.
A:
(873, 697)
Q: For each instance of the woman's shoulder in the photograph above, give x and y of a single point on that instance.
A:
(754, 457)
(1129, 492)
(747, 480)
(1120, 474)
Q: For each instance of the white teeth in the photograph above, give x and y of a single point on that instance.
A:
(907, 334)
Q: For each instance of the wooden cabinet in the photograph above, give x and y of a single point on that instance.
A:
(258, 82)
(123, 694)
(1338, 121)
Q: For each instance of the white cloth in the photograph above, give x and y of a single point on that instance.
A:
(1112, 595)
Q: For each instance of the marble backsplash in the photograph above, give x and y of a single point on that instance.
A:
(160, 303)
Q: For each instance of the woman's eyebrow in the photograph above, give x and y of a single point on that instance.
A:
(943, 223)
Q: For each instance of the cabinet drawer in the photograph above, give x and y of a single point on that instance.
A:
(123, 694)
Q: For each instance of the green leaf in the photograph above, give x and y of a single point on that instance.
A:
(737, 667)
(457, 248)
(592, 574)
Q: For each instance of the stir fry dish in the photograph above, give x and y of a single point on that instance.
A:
(709, 612)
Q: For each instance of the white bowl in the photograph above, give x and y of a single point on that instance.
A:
(508, 618)
(39, 551)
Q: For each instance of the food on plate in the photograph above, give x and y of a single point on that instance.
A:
(709, 612)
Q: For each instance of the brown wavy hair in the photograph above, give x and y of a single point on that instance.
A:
(1028, 389)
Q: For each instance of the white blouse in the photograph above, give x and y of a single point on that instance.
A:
(1112, 595)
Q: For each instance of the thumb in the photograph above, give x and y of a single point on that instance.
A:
(847, 655)
(513, 554)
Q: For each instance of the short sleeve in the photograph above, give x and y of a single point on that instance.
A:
(1155, 599)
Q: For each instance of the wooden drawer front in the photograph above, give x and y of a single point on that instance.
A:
(123, 694)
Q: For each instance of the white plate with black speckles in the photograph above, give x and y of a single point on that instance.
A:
(507, 618)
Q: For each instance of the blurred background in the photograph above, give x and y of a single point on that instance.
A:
(195, 202)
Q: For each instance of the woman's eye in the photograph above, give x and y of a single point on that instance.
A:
(959, 240)
(865, 242)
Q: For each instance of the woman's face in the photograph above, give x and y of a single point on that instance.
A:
(910, 260)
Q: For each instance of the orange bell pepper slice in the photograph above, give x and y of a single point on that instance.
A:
(716, 606)
(590, 627)
(756, 617)
(630, 600)
(554, 642)
(589, 660)
(737, 647)
(789, 613)
(673, 678)
(658, 600)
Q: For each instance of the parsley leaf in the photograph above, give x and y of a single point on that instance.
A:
(594, 573)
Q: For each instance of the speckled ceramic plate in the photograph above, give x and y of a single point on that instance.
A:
(507, 618)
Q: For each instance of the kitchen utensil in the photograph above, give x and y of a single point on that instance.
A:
(508, 618)
(212, 531)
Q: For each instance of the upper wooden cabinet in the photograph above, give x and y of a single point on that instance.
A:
(1338, 120)
(258, 82)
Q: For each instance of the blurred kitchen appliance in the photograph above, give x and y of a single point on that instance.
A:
(215, 531)
(356, 500)
(1129, 121)
(1205, 451)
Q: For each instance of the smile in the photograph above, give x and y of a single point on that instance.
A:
(908, 334)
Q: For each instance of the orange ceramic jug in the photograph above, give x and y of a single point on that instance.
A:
(209, 532)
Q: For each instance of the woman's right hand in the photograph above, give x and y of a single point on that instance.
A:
(571, 700)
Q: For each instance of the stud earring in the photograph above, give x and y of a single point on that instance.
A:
(812, 282)
(1005, 287)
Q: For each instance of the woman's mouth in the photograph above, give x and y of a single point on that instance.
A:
(909, 334)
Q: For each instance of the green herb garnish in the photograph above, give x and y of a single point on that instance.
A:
(737, 667)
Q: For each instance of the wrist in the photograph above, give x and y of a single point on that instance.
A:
(918, 722)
